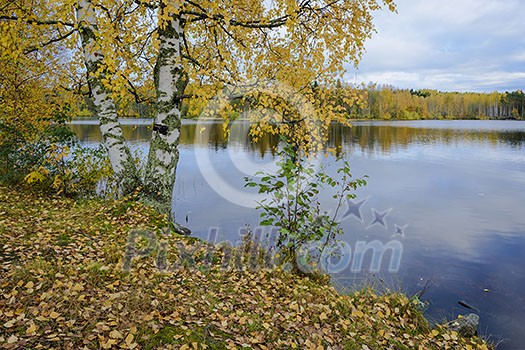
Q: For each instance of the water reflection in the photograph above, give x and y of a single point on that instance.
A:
(366, 136)
(88, 131)
(458, 185)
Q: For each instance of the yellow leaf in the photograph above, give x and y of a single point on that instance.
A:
(36, 176)
(357, 313)
(54, 314)
(129, 339)
(115, 334)
(31, 329)
(77, 287)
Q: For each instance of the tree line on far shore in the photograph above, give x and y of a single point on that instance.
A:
(384, 102)
(387, 102)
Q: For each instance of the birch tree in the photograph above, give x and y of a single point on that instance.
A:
(208, 45)
(110, 128)
(170, 83)
(230, 43)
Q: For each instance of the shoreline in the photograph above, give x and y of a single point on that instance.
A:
(63, 258)
(143, 121)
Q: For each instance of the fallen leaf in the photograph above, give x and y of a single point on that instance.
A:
(115, 334)
(12, 339)
(31, 329)
(129, 339)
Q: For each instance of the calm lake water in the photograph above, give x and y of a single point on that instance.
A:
(454, 191)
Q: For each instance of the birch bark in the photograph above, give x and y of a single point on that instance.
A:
(110, 128)
(170, 83)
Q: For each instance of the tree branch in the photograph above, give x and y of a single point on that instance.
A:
(38, 22)
(146, 4)
(49, 42)
(138, 98)
(203, 14)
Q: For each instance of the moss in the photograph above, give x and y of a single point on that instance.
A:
(170, 335)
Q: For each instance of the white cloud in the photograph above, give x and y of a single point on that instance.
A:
(441, 80)
(448, 45)
(519, 57)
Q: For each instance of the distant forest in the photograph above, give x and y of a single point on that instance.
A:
(380, 102)
(387, 102)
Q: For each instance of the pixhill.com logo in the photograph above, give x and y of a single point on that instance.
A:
(334, 258)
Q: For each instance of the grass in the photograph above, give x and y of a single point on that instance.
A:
(63, 286)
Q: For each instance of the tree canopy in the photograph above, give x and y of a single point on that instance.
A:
(164, 51)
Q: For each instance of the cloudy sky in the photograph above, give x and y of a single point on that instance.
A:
(449, 45)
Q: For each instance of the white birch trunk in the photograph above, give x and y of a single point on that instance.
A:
(170, 83)
(110, 128)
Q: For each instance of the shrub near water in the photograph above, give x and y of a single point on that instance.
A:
(294, 208)
(63, 287)
(44, 155)
(78, 171)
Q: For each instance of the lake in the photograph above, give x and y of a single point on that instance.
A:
(448, 196)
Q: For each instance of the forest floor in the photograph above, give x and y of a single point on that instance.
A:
(68, 281)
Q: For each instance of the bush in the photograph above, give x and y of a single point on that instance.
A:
(48, 158)
(24, 144)
(294, 208)
(75, 172)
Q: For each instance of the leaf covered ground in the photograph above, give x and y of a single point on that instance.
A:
(62, 286)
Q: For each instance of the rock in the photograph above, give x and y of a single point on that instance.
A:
(466, 326)
(181, 230)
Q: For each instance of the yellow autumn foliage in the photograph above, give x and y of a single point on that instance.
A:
(236, 43)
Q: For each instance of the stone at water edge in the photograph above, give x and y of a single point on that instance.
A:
(181, 230)
(466, 326)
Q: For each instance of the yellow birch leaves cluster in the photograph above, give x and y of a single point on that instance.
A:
(298, 44)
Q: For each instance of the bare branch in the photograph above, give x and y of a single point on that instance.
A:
(49, 42)
(202, 14)
(138, 97)
(35, 21)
